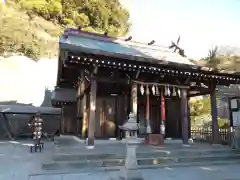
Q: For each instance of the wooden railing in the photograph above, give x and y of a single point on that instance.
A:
(205, 135)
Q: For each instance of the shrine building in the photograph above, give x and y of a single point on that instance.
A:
(102, 79)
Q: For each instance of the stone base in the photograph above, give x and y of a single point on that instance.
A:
(130, 175)
(216, 145)
(90, 147)
(186, 145)
(132, 141)
(90, 142)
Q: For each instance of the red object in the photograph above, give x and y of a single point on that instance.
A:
(163, 110)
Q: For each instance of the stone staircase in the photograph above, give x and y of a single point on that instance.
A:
(111, 157)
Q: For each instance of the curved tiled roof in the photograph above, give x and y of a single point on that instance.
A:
(79, 42)
(99, 44)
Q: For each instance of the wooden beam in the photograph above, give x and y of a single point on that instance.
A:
(199, 94)
(112, 80)
(137, 74)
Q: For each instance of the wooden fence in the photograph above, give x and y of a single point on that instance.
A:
(205, 135)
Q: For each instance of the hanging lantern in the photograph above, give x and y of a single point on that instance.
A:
(157, 91)
(147, 90)
(142, 89)
(165, 91)
(174, 92)
(179, 93)
(153, 90)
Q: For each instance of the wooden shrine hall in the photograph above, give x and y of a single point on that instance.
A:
(102, 79)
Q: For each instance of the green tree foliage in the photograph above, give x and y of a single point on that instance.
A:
(200, 108)
(31, 37)
(33, 26)
(215, 60)
(100, 15)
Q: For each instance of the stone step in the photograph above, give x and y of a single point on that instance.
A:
(190, 153)
(83, 164)
(161, 161)
(191, 164)
(170, 160)
(63, 170)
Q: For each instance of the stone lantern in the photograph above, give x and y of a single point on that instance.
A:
(130, 170)
(130, 127)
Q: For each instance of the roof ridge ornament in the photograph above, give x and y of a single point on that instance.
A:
(128, 39)
(177, 48)
(151, 42)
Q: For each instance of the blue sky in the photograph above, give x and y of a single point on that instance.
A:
(201, 23)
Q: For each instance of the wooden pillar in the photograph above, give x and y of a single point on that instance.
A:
(184, 115)
(79, 106)
(62, 125)
(65, 119)
(230, 113)
(82, 106)
(189, 119)
(134, 99)
(92, 113)
(68, 118)
(126, 106)
(148, 130)
(215, 130)
(84, 112)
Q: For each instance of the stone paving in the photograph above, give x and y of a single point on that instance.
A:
(17, 163)
(197, 173)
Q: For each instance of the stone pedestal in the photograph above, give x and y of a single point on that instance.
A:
(130, 170)
(131, 175)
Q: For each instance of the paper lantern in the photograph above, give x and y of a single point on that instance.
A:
(142, 89)
(174, 92)
(153, 90)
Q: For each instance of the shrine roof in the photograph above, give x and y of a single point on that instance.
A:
(18, 109)
(103, 45)
(78, 41)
